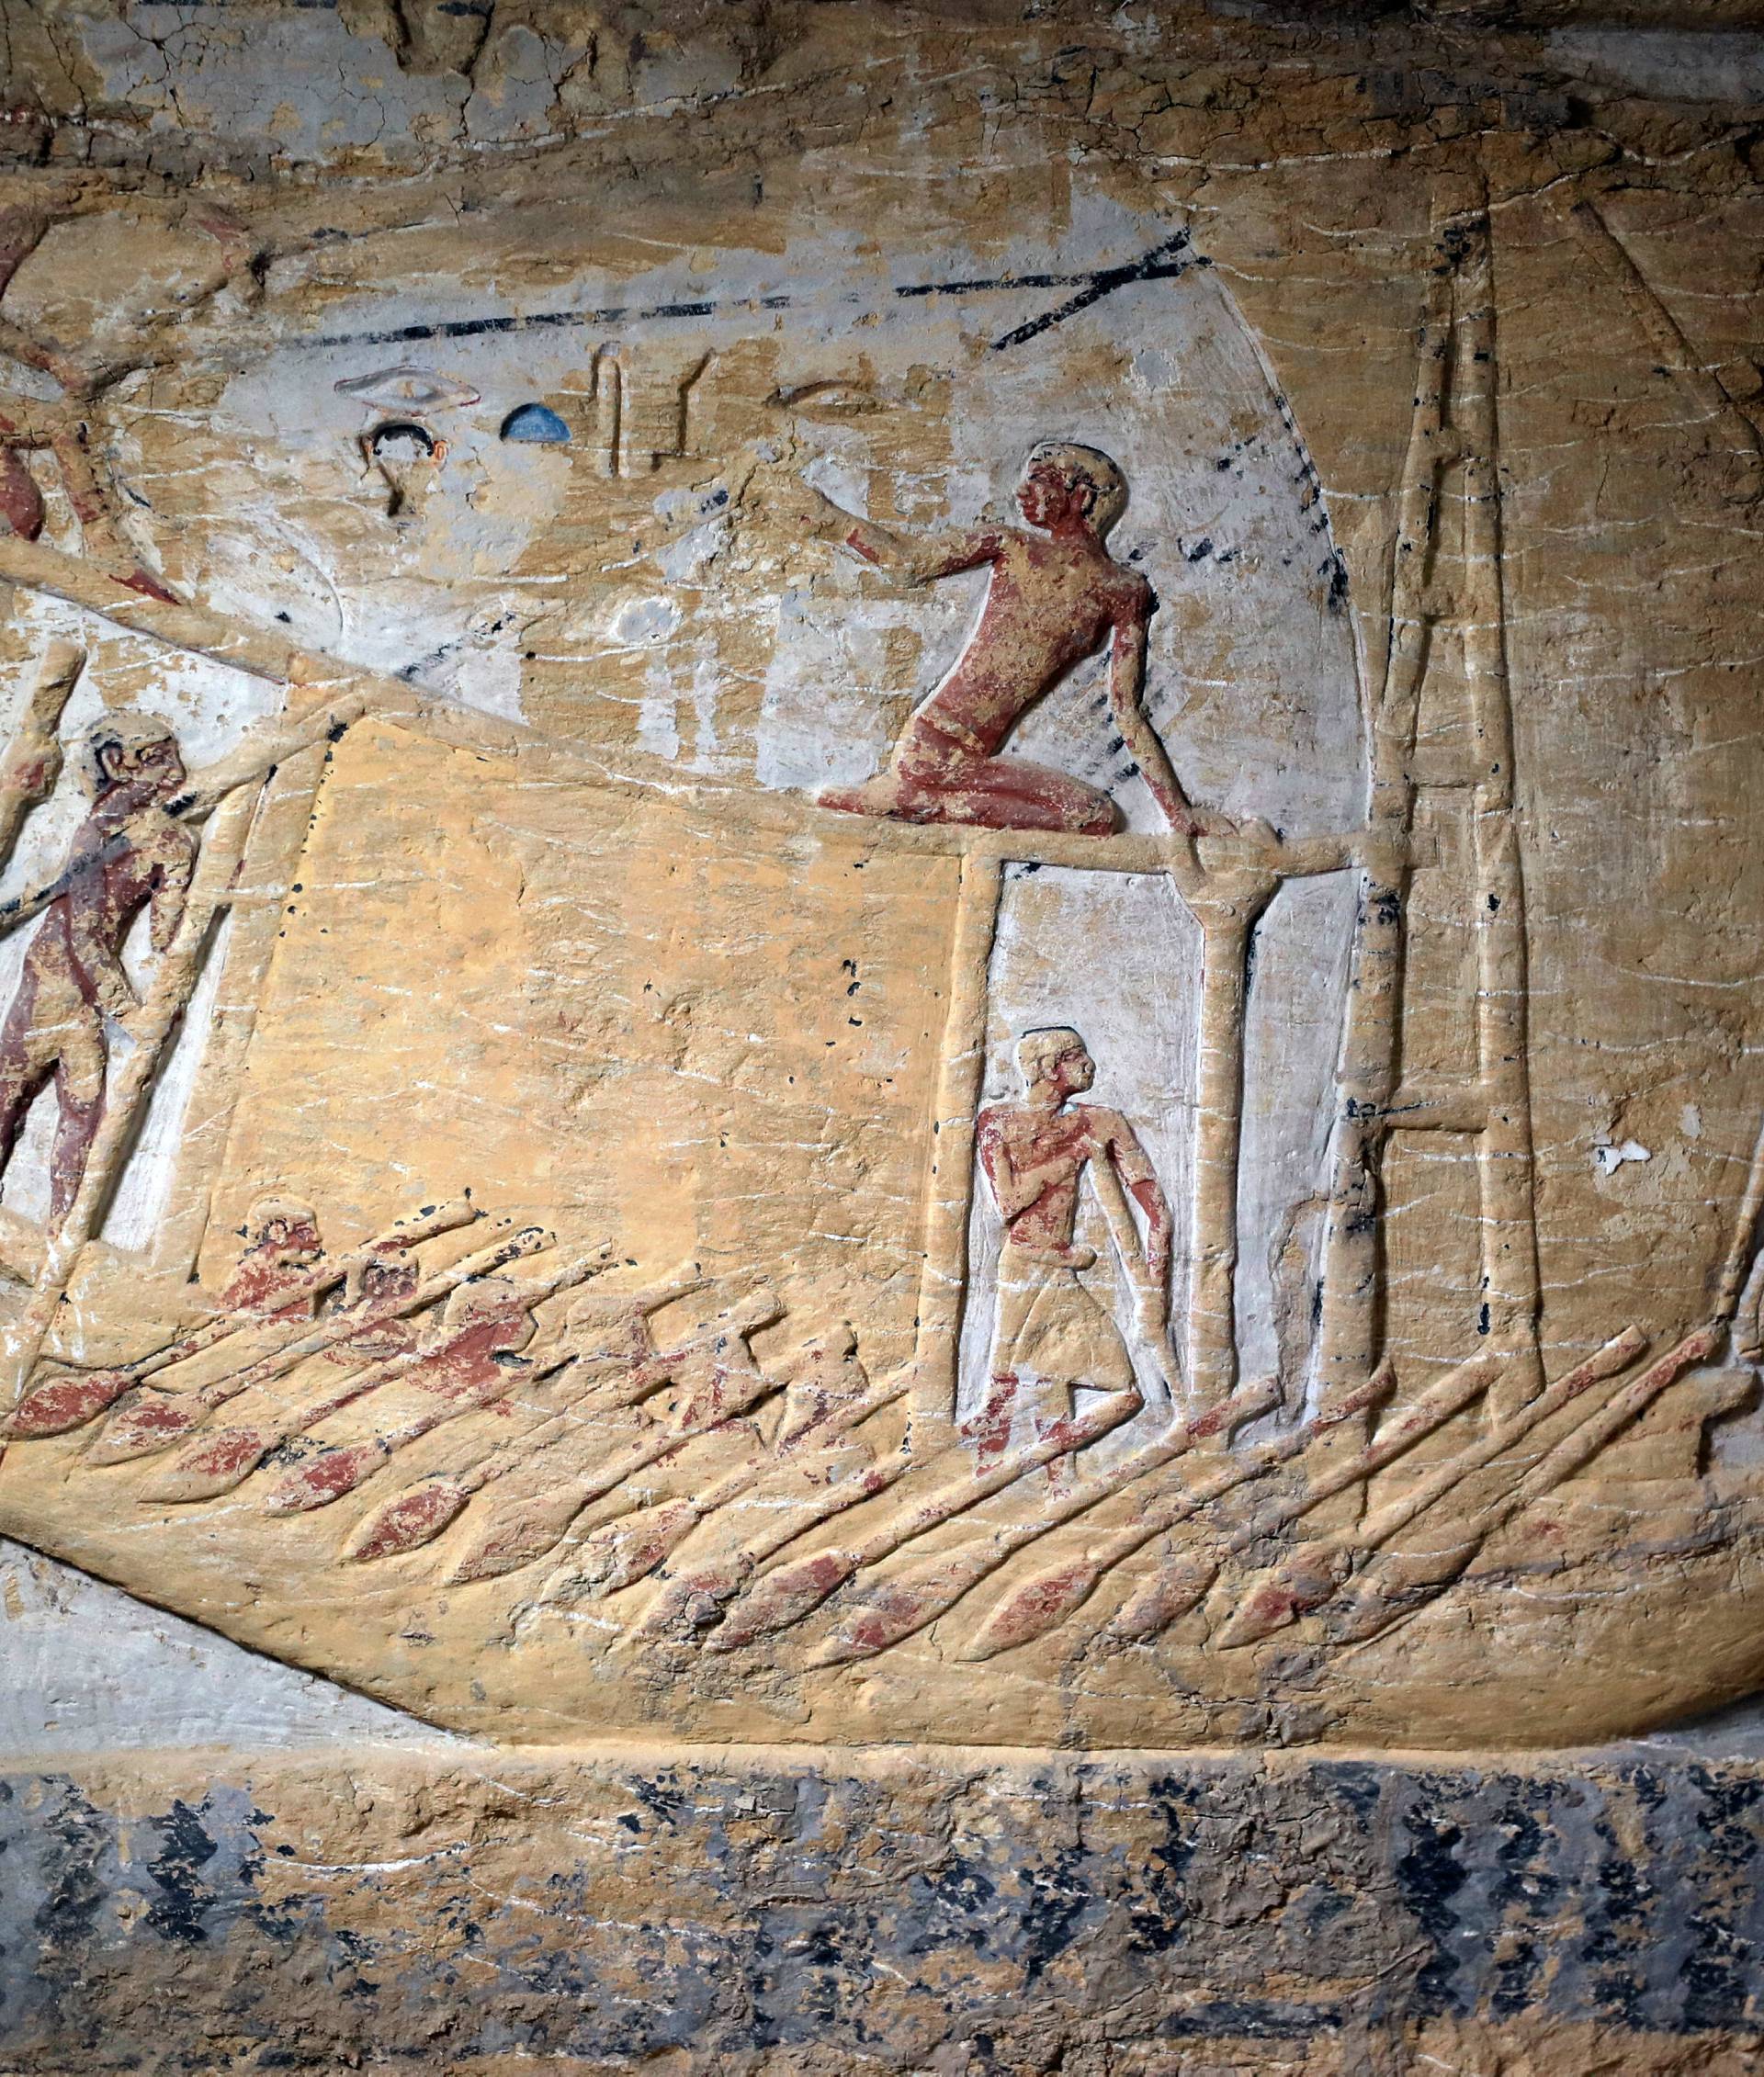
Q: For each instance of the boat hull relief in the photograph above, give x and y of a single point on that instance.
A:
(910, 1116)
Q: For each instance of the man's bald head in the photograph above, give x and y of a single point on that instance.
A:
(1088, 473)
(1039, 1053)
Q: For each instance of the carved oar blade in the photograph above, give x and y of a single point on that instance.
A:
(63, 1404)
(1172, 1592)
(893, 1609)
(516, 1534)
(783, 1597)
(325, 1478)
(1291, 1589)
(148, 1425)
(1031, 1610)
(630, 1549)
(211, 1466)
(690, 1603)
(414, 1518)
(1392, 1587)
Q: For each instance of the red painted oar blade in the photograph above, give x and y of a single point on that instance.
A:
(783, 1597)
(1275, 1599)
(414, 1518)
(1031, 1610)
(325, 1478)
(1398, 1583)
(1169, 1595)
(63, 1404)
(211, 1466)
(893, 1609)
(151, 1424)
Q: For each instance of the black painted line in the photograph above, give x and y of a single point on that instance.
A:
(1162, 263)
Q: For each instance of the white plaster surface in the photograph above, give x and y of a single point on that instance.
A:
(85, 1667)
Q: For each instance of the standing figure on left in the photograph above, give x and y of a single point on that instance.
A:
(129, 852)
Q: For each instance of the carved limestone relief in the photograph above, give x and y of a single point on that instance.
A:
(788, 1084)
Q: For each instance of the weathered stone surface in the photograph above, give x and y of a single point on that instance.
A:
(885, 878)
(914, 1910)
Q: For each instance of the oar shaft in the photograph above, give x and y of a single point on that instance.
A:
(949, 1501)
(1395, 1515)
(529, 1241)
(1432, 1410)
(406, 1232)
(1598, 1429)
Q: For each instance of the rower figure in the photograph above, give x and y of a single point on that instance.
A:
(1056, 597)
(273, 1274)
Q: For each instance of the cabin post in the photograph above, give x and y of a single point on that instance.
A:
(949, 1183)
(1511, 1299)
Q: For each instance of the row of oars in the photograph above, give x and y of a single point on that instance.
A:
(461, 1377)
(157, 1422)
(785, 1595)
(72, 1399)
(891, 1609)
(222, 1459)
(691, 1601)
(1389, 1585)
(1489, 1479)
(1385, 1585)
(417, 1516)
(464, 1366)
(630, 1547)
(720, 1384)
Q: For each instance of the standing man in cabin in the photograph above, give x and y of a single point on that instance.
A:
(1050, 1328)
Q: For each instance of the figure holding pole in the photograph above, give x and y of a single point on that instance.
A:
(1050, 1328)
(143, 838)
(128, 855)
(1056, 596)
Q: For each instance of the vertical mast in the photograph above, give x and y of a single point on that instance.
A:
(1506, 1177)
(1455, 424)
(1349, 1325)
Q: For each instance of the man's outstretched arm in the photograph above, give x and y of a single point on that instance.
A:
(909, 557)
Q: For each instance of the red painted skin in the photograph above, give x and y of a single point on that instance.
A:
(278, 1260)
(463, 1372)
(378, 1289)
(73, 976)
(1033, 1155)
(1057, 596)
